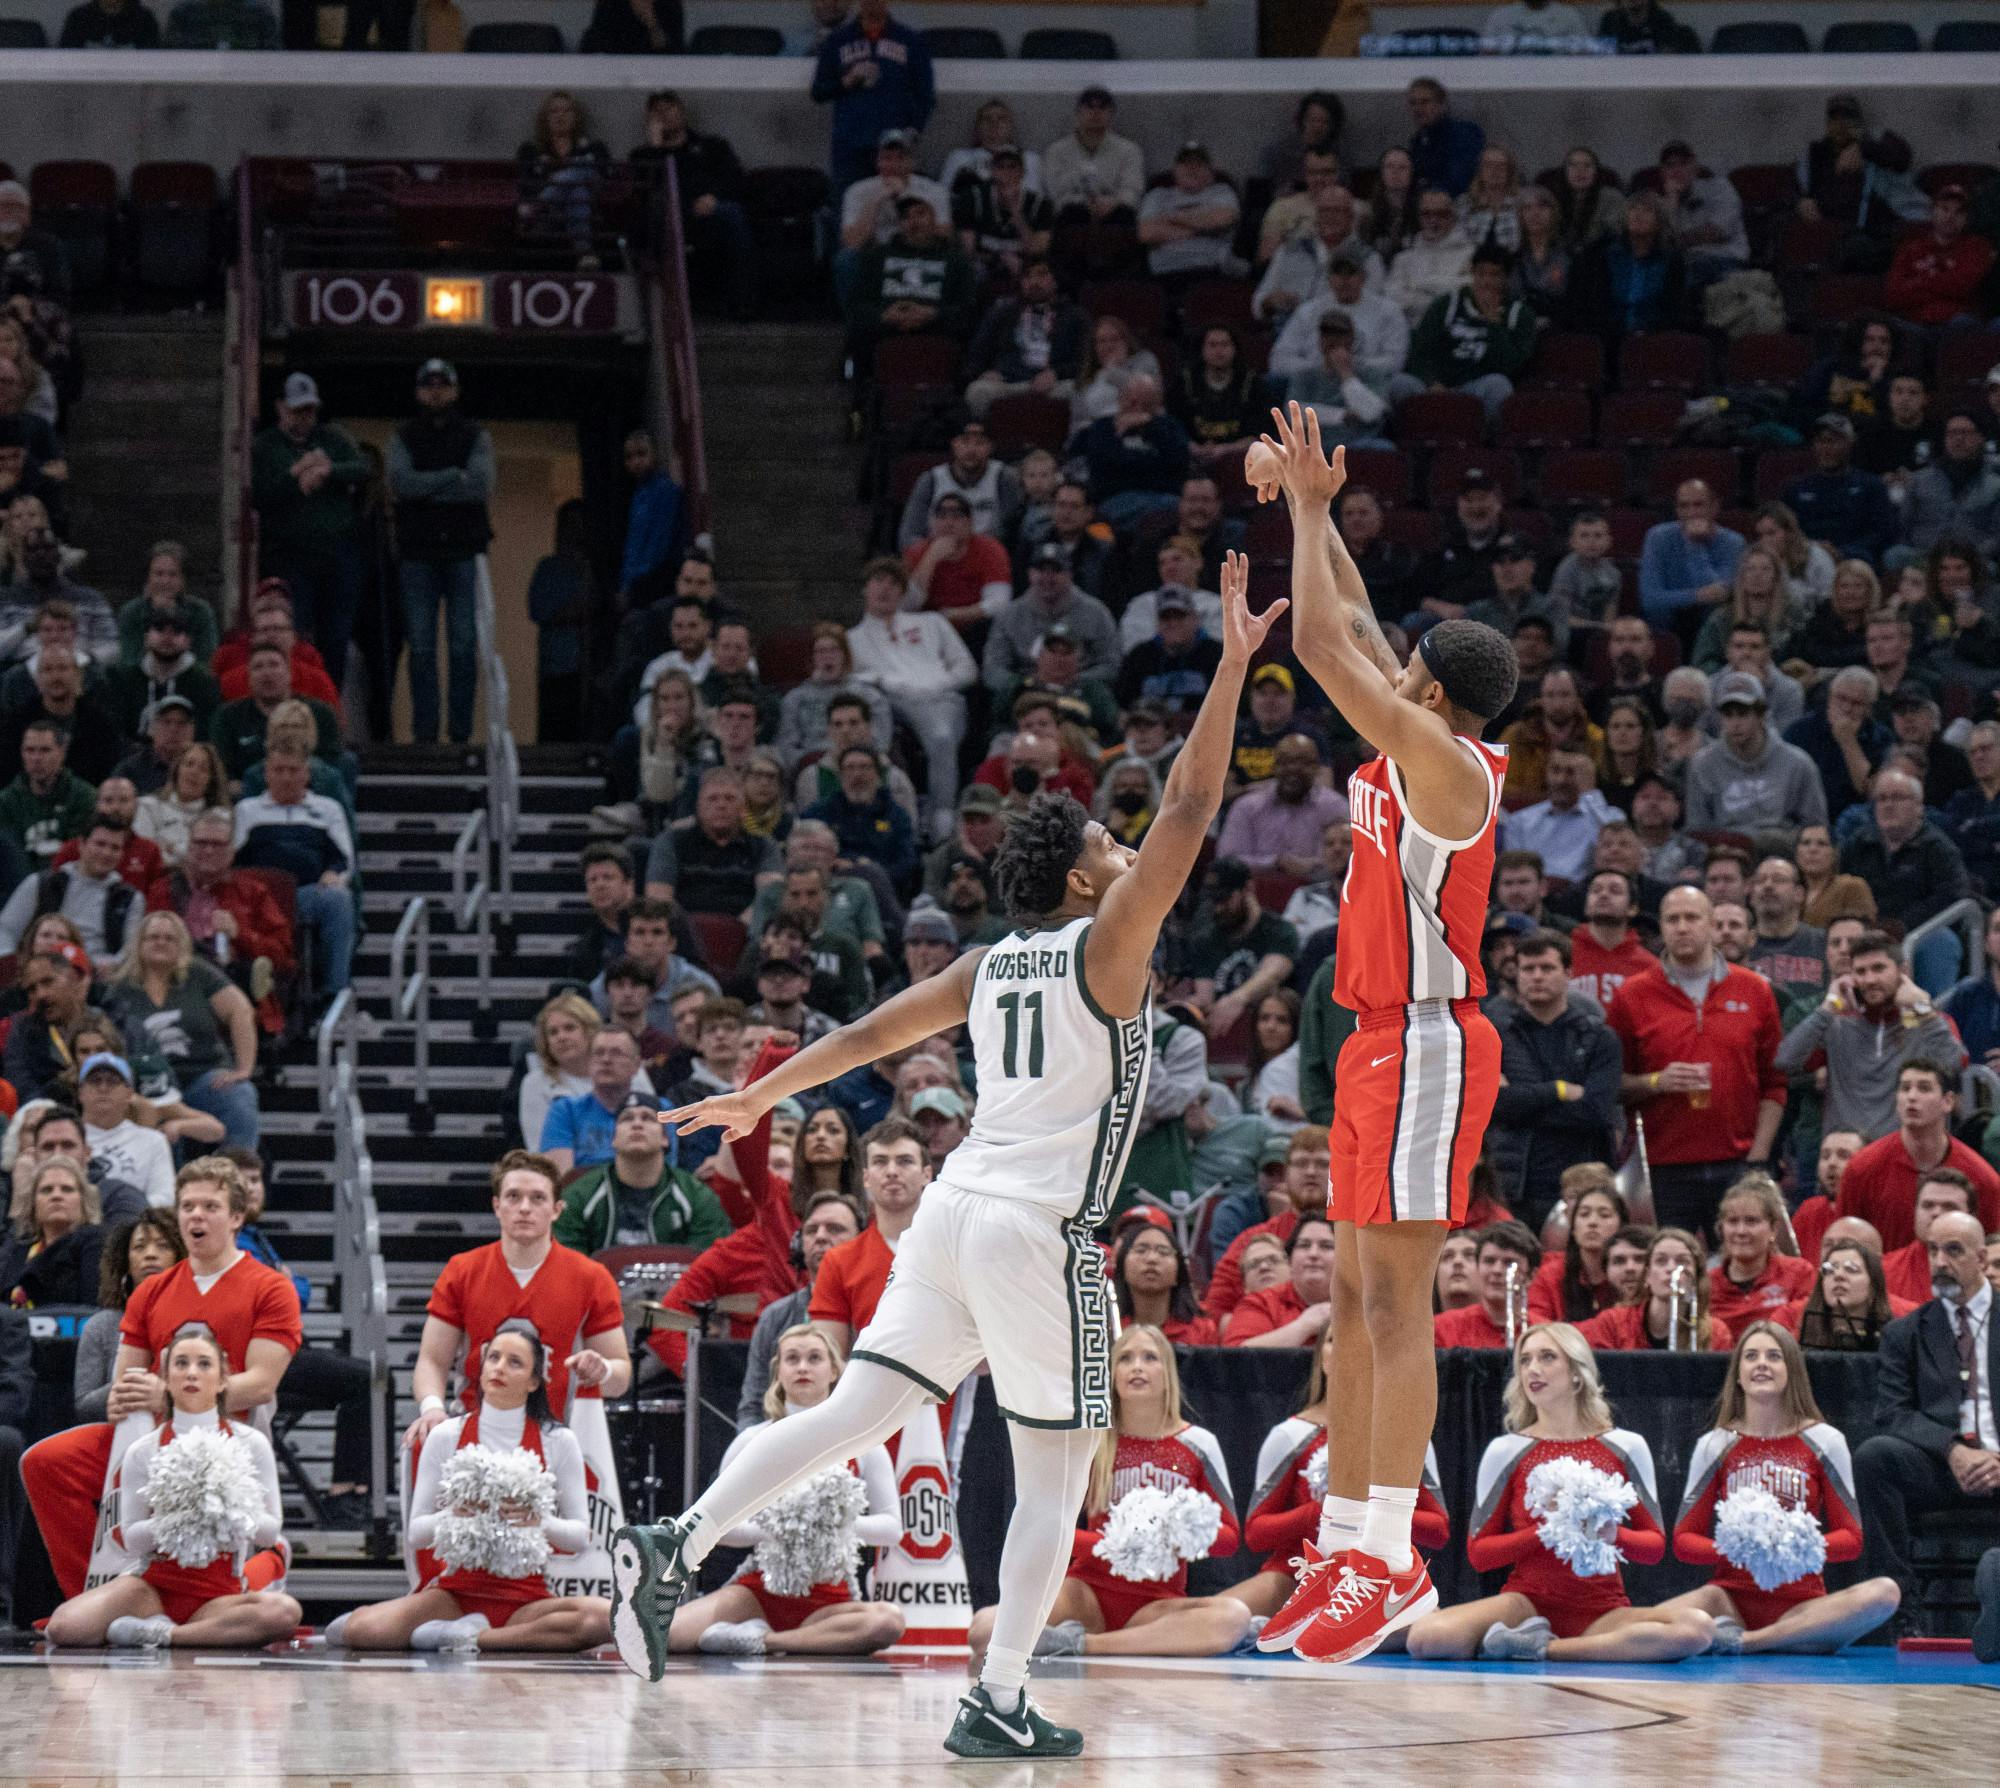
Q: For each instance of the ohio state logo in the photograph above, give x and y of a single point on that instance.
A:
(929, 1529)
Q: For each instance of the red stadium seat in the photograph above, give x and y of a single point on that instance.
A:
(1564, 363)
(1673, 466)
(1417, 529)
(1274, 888)
(1767, 360)
(1142, 305)
(784, 656)
(1268, 532)
(1441, 419)
(1450, 464)
(1028, 420)
(1628, 529)
(1965, 356)
(1387, 474)
(1639, 418)
(904, 472)
(1804, 245)
(1210, 301)
(1544, 419)
(1576, 476)
(1841, 297)
(1664, 360)
(1971, 175)
(722, 939)
(1766, 185)
(1776, 468)
(77, 202)
(916, 360)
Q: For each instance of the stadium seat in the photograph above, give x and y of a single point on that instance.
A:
(783, 204)
(1210, 301)
(1564, 363)
(23, 34)
(965, 43)
(1960, 35)
(1028, 420)
(1767, 360)
(1450, 464)
(1387, 474)
(737, 40)
(722, 937)
(1871, 37)
(1577, 477)
(1971, 175)
(1274, 888)
(1776, 468)
(1765, 185)
(1664, 360)
(916, 360)
(77, 201)
(1544, 419)
(1760, 37)
(784, 656)
(515, 40)
(1441, 419)
(1418, 529)
(1062, 44)
(1268, 532)
(1141, 305)
(1628, 528)
(172, 225)
(1639, 418)
(1965, 356)
(1673, 466)
(1841, 297)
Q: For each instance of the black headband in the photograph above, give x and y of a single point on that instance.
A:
(1434, 663)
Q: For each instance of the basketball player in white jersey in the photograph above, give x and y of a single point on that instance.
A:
(1000, 1263)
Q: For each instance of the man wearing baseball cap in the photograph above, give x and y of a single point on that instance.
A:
(1706, 215)
(305, 474)
(941, 1113)
(1838, 502)
(868, 207)
(1186, 225)
(1749, 780)
(167, 667)
(129, 1151)
(637, 1199)
(876, 74)
(1274, 716)
(783, 981)
(56, 986)
(1936, 278)
(441, 476)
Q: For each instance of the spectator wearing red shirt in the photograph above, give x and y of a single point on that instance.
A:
(1701, 1039)
(895, 1169)
(1056, 771)
(309, 679)
(1881, 1182)
(1811, 1220)
(1484, 1324)
(965, 576)
(118, 798)
(1935, 278)
(1150, 1276)
(1308, 1172)
(1648, 1322)
(1295, 1313)
(1604, 951)
(1752, 1278)
(270, 607)
(1906, 1271)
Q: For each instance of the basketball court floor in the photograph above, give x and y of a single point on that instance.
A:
(304, 1719)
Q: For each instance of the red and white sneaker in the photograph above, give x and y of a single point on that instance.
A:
(1363, 1605)
(1316, 1577)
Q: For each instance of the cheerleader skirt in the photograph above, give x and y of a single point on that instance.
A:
(182, 1591)
(498, 1598)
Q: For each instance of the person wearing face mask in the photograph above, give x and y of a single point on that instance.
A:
(1939, 1448)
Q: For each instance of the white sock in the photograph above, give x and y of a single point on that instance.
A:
(1340, 1524)
(1385, 1528)
(1004, 1676)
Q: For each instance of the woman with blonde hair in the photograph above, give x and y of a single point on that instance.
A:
(1490, 210)
(765, 814)
(55, 1238)
(1113, 359)
(1753, 1277)
(561, 165)
(1676, 1275)
(745, 1618)
(38, 387)
(559, 1065)
(1768, 1435)
(201, 1022)
(196, 784)
(1150, 1445)
(1835, 634)
(1807, 566)
(1758, 593)
(1556, 1412)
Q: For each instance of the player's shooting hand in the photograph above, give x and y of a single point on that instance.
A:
(1309, 476)
(1243, 632)
(734, 1114)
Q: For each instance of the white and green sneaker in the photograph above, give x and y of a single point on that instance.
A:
(649, 1576)
(982, 1730)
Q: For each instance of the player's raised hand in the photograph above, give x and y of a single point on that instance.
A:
(1305, 472)
(734, 1114)
(1243, 632)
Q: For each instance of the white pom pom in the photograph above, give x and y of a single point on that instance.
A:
(205, 1498)
(1572, 1502)
(483, 1481)
(809, 1534)
(1758, 1534)
(1150, 1533)
(1316, 1473)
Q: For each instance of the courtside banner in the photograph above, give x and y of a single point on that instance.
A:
(108, 1556)
(923, 1574)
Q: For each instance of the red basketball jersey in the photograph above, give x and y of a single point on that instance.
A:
(1414, 906)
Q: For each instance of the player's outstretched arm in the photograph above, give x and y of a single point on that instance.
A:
(1120, 952)
(914, 1014)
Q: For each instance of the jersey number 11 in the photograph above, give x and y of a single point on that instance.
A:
(1012, 1004)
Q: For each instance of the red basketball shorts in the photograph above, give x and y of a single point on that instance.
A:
(1413, 1092)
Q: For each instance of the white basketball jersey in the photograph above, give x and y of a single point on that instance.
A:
(1061, 1082)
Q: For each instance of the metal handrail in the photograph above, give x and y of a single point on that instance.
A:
(472, 902)
(410, 997)
(245, 360)
(342, 1022)
(677, 343)
(503, 760)
(364, 1280)
(1965, 916)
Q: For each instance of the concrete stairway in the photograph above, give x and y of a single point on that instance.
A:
(782, 469)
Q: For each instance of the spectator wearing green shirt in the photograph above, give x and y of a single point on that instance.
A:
(48, 803)
(1323, 1028)
(638, 1198)
(239, 729)
(1239, 952)
(1473, 340)
(166, 592)
(304, 474)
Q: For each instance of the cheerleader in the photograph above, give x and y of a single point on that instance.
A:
(1154, 1286)
(1752, 1278)
(1769, 1435)
(470, 1610)
(1573, 1286)
(1098, 1613)
(1556, 1410)
(1284, 1516)
(164, 1602)
(1673, 1260)
(744, 1619)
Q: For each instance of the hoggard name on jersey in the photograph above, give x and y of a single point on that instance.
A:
(1027, 965)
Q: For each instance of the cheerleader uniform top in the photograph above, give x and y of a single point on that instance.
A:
(134, 1516)
(1506, 1535)
(1284, 1514)
(882, 1525)
(1189, 1460)
(1810, 1470)
(568, 1529)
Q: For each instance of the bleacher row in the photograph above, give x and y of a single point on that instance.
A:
(159, 235)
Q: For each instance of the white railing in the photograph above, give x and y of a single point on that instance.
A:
(503, 760)
(1966, 917)
(410, 1001)
(472, 905)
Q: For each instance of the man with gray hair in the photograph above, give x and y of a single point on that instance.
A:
(1844, 739)
(1915, 871)
(1688, 725)
(847, 902)
(1298, 271)
(1748, 780)
(1971, 818)
(1137, 458)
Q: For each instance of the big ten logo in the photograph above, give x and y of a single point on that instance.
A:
(930, 1526)
(1369, 812)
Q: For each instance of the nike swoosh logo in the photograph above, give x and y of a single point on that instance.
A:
(1380, 1059)
(1394, 1605)
(1023, 1739)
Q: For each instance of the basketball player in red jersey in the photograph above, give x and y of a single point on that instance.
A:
(1416, 1082)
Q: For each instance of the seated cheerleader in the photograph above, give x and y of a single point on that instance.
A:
(1099, 1613)
(166, 1602)
(1849, 1305)
(1674, 1271)
(1769, 1436)
(1291, 1493)
(1557, 1415)
(465, 1610)
(746, 1618)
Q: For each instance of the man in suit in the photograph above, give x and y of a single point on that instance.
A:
(1939, 1450)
